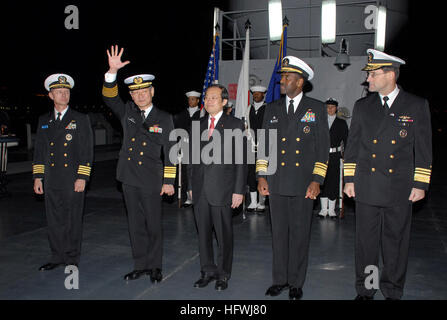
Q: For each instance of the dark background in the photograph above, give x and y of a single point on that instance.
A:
(171, 40)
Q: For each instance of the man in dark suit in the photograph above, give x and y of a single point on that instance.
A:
(387, 167)
(182, 120)
(338, 131)
(145, 177)
(256, 115)
(63, 156)
(218, 186)
(292, 175)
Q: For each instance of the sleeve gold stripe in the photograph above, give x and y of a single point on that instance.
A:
(170, 176)
(349, 172)
(320, 172)
(110, 92)
(422, 170)
(320, 164)
(38, 168)
(421, 178)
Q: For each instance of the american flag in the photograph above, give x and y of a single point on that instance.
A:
(212, 72)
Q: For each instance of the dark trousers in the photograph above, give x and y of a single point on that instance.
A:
(386, 230)
(64, 210)
(251, 177)
(220, 218)
(291, 219)
(145, 227)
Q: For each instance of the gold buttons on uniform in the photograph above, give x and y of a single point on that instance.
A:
(373, 169)
(130, 149)
(373, 155)
(65, 155)
(298, 139)
(65, 165)
(297, 164)
(133, 139)
(144, 144)
(283, 151)
(297, 151)
(141, 153)
(390, 171)
(393, 141)
(52, 164)
(283, 164)
(283, 139)
(375, 141)
(51, 154)
(128, 158)
(140, 163)
(392, 156)
(51, 143)
(65, 144)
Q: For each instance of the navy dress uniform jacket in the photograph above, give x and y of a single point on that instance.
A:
(63, 152)
(144, 145)
(389, 152)
(302, 147)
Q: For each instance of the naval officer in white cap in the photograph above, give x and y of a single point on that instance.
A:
(62, 163)
(292, 176)
(388, 162)
(143, 173)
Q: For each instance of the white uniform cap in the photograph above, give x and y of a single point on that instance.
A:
(258, 89)
(378, 59)
(58, 80)
(294, 64)
(193, 94)
(139, 81)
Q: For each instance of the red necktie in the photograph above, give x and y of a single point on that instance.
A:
(211, 129)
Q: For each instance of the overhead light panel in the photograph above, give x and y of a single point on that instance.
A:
(328, 21)
(275, 20)
(379, 41)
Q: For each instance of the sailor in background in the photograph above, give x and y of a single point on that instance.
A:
(338, 131)
(145, 177)
(256, 116)
(388, 163)
(183, 120)
(63, 156)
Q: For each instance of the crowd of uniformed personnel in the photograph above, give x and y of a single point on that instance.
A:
(387, 167)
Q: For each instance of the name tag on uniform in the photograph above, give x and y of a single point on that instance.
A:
(155, 129)
(309, 116)
(274, 120)
(45, 126)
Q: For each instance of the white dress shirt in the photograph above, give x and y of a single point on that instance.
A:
(392, 96)
(62, 113)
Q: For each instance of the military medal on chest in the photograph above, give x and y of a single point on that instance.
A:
(68, 137)
(403, 133)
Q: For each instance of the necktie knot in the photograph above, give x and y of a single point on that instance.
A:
(58, 116)
(386, 98)
(143, 115)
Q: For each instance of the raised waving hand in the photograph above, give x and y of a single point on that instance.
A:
(115, 62)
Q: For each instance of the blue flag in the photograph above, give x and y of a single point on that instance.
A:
(273, 91)
(212, 72)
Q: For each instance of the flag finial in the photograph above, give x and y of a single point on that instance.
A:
(285, 21)
(247, 24)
